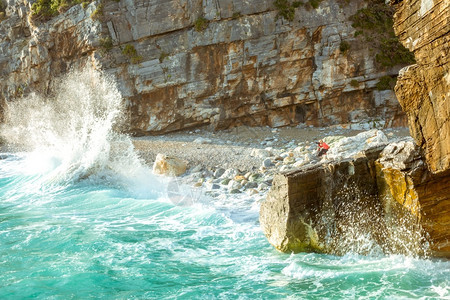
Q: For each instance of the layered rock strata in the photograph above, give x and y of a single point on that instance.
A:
(383, 201)
(423, 89)
(180, 64)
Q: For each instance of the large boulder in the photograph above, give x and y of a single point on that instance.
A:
(324, 207)
(383, 201)
(170, 166)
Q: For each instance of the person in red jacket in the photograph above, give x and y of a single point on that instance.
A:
(323, 148)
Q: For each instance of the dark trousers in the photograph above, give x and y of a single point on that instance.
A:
(322, 152)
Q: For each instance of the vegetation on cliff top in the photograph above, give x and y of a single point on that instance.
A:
(374, 25)
(132, 54)
(386, 83)
(46, 9)
(201, 24)
(286, 8)
(2, 10)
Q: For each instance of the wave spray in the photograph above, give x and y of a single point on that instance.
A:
(70, 135)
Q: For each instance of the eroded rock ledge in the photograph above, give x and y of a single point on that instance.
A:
(383, 201)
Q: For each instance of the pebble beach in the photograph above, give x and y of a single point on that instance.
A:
(243, 160)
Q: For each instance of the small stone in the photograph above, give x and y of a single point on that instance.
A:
(212, 186)
(251, 185)
(299, 163)
(201, 140)
(268, 178)
(289, 160)
(239, 178)
(198, 184)
(299, 150)
(247, 175)
(219, 172)
(285, 168)
(262, 186)
(253, 177)
(267, 163)
(196, 169)
(284, 155)
(260, 153)
(226, 181)
(233, 185)
(235, 191)
(229, 173)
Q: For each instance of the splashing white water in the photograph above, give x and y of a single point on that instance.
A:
(70, 135)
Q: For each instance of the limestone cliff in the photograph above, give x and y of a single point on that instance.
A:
(184, 63)
(423, 89)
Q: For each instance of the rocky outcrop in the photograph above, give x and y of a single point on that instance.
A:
(180, 64)
(409, 191)
(423, 89)
(385, 200)
(312, 209)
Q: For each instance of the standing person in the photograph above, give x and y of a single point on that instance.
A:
(323, 148)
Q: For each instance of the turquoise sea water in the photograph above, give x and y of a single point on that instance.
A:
(82, 218)
(84, 240)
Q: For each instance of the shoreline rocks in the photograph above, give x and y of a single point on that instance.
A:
(385, 196)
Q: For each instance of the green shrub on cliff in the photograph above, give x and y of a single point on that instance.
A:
(132, 54)
(2, 10)
(97, 14)
(106, 44)
(354, 83)
(344, 46)
(386, 83)
(285, 9)
(315, 3)
(200, 24)
(46, 9)
(375, 27)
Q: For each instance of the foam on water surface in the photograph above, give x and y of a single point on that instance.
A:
(81, 217)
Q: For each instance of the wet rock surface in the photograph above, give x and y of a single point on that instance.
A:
(385, 195)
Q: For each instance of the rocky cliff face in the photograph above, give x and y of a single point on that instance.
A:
(423, 89)
(383, 201)
(409, 191)
(223, 62)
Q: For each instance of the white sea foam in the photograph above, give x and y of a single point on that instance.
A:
(70, 135)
